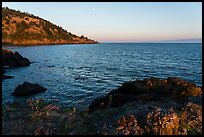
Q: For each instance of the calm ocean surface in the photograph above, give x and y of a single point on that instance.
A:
(77, 74)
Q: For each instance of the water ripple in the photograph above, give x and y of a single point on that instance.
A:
(76, 75)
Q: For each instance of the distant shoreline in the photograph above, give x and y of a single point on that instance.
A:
(147, 43)
(28, 45)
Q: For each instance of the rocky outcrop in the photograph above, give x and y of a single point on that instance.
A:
(151, 106)
(162, 121)
(150, 89)
(13, 59)
(27, 89)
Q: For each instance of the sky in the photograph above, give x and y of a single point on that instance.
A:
(121, 21)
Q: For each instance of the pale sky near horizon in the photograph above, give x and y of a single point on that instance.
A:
(121, 21)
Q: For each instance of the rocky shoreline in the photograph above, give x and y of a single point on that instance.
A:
(148, 90)
(151, 106)
(154, 106)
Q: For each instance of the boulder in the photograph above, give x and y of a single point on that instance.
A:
(27, 89)
(13, 59)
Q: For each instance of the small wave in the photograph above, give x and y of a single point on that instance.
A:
(108, 68)
(168, 67)
(190, 74)
(51, 66)
(182, 68)
(147, 71)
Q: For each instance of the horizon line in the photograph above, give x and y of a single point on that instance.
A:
(152, 42)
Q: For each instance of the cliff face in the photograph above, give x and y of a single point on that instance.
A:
(20, 28)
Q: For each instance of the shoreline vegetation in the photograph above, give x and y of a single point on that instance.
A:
(151, 106)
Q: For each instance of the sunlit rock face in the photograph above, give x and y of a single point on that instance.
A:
(163, 121)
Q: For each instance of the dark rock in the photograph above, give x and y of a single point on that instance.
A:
(28, 89)
(150, 89)
(51, 66)
(196, 99)
(3, 70)
(7, 77)
(111, 100)
(13, 59)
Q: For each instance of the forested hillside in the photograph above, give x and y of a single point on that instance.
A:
(20, 28)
